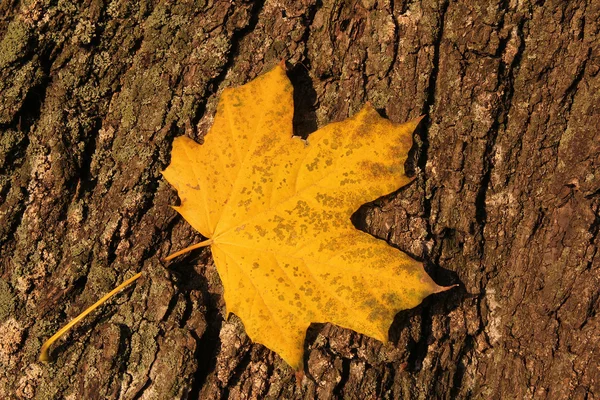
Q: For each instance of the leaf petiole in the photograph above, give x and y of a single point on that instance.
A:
(188, 249)
(44, 354)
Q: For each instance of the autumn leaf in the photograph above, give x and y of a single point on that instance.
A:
(276, 210)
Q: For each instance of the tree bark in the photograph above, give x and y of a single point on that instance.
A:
(505, 201)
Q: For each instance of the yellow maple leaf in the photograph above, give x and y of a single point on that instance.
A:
(276, 210)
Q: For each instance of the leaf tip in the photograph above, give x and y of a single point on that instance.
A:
(366, 111)
(299, 375)
(441, 289)
(416, 121)
(368, 107)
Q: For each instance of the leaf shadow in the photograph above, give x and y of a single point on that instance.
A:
(437, 305)
(305, 98)
(208, 343)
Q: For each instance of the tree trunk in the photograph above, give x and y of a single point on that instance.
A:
(506, 200)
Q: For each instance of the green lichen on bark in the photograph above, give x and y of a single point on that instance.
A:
(7, 301)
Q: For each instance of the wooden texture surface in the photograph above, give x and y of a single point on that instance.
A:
(505, 201)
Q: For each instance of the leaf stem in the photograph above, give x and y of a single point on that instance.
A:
(44, 354)
(188, 249)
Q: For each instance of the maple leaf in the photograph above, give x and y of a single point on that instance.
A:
(276, 210)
